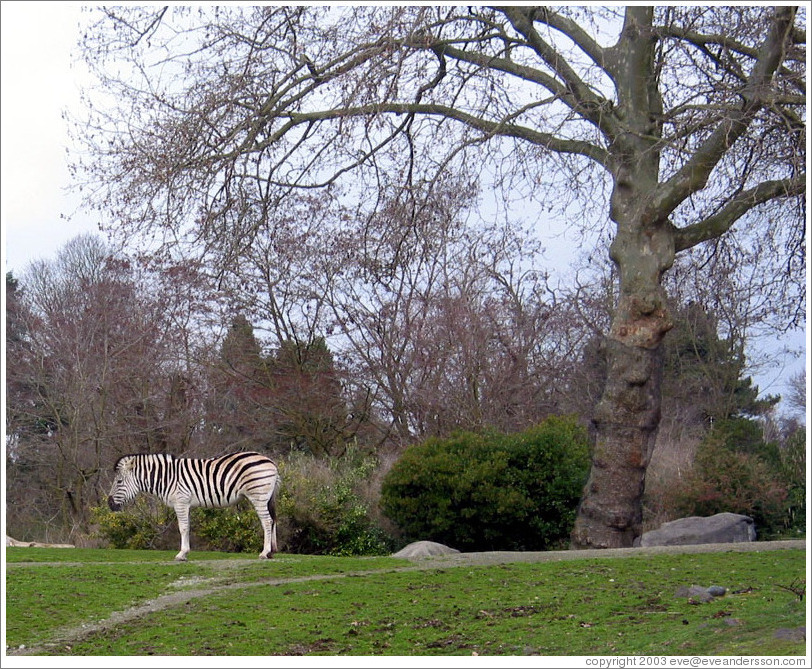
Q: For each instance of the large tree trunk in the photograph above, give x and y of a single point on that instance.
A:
(628, 414)
(627, 417)
(625, 421)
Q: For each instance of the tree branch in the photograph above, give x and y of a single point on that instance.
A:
(701, 40)
(150, 29)
(491, 128)
(581, 98)
(715, 226)
(693, 176)
(577, 34)
(513, 68)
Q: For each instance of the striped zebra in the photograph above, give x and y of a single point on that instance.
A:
(183, 483)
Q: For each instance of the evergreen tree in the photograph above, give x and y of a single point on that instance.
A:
(289, 398)
(241, 352)
(240, 407)
(704, 371)
(309, 397)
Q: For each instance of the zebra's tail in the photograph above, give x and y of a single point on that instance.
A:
(272, 498)
(272, 513)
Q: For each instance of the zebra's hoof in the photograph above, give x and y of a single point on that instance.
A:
(265, 556)
(180, 558)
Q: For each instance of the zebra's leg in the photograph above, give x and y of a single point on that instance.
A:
(268, 528)
(182, 512)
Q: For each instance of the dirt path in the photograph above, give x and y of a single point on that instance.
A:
(207, 586)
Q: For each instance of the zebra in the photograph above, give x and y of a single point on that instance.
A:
(183, 483)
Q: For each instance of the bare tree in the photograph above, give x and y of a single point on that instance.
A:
(798, 397)
(98, 369)
(681, 121)
(448, 322)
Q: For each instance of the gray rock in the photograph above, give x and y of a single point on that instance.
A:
(420, 549)
(723, 528)
(699, 593)
(695, 592)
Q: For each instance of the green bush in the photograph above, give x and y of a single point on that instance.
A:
(149, 524)
(491, 491)
(235, 529)
(142, 525)
(744, 435)
(736, 471)
(793, 464)
(326, 506)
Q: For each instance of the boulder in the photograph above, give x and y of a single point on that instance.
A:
(420, 549)
(697, 593)
(723, 528)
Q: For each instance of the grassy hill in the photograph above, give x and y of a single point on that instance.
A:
(113, 602)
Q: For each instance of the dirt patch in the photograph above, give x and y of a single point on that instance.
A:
(67, 636)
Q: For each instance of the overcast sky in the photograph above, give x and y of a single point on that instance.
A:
(39, 82)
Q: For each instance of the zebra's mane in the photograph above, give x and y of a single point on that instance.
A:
(167, 457)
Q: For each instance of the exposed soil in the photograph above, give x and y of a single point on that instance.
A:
(67, 636)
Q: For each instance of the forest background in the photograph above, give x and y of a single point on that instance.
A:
(113, 350)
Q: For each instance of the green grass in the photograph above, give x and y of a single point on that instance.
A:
(17, 555)
(43, 595)
(580, 607)
(42, 599)
(282, 566)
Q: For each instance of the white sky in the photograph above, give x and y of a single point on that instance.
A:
(39, 81)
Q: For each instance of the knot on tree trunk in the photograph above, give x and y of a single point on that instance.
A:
(641, 321)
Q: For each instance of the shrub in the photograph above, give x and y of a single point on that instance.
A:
(743, 435)
(736, 471)
(148, 523)
(325, 506)
(142, 525)
(491, 491)
(793, 463)
(235, 529)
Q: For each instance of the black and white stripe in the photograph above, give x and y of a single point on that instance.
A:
(183, 483)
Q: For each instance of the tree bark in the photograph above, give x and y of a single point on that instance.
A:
(627, 417)
(626, 421)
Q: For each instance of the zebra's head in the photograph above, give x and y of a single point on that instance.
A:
(125, 484)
